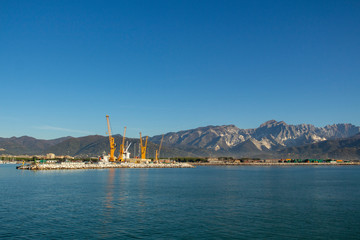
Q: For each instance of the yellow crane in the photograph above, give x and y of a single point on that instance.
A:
(111, 140)
(157, 153)
(122, 148)
(143, 147)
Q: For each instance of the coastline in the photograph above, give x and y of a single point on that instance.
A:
(276, 164)
(70, 166)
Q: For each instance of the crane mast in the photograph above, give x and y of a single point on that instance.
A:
(143, 147)
(157, 153)
(111, 140)
(122, 148)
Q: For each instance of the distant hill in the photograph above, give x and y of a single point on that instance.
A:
(345, 148)
(92, 146)
(88, 146)
(27, 145)
(270, 139)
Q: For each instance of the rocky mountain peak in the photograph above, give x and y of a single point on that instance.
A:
(272, 123)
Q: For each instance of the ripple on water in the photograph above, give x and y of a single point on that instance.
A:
(200, 203)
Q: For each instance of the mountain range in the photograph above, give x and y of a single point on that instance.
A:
(270, 139)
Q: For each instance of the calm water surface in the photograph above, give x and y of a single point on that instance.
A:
(202, 203)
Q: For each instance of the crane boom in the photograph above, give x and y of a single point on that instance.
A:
(127, 149)
(162, 138)
(122, 148)
(143, 147)
(111, 140)
(157, 153)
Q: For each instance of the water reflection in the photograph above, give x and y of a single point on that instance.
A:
(110, 189)
(117, 188)
(142, 186)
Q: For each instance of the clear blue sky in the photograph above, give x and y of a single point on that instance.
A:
(161, 66)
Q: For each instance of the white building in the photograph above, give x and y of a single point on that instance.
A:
(50, 156)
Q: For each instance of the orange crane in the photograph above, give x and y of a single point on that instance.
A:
(143, 147)
(157, 153)
(111, 140)
(122, 148)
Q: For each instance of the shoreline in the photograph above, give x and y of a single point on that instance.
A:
(276, 164)
(74, 166)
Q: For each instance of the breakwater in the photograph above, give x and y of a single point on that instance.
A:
(61, 166)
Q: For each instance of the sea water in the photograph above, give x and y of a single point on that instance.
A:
(238, 202)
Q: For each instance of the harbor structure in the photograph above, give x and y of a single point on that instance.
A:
(111, 140)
